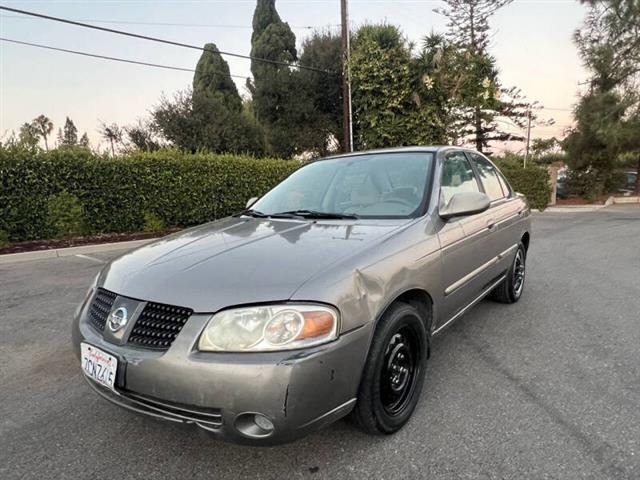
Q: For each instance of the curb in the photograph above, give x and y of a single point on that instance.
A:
(70, 251)
(573, 209)
(631, 200)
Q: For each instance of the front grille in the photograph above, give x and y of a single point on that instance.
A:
(100, 308)
(158, 325)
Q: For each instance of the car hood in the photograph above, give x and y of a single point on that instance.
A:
(238, 261)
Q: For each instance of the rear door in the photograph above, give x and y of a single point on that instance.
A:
(504, 213)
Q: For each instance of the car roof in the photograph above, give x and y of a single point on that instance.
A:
(417, 148)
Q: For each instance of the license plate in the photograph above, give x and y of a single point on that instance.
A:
(98, 365)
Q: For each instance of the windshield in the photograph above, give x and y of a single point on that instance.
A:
(387, 185)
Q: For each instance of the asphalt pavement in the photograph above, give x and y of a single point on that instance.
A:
(548, 388)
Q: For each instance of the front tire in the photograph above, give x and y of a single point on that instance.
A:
(394, 373)
(510, 290)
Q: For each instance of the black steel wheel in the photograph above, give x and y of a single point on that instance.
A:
(394, 373)
(399, 371)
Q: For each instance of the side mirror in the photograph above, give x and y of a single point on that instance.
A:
(466, 203)
(251, 201)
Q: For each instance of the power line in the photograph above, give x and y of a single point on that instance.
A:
(161, 40)
(168, 24)
(104, 57)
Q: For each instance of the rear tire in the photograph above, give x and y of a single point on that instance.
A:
(510, 290)
(394, 373)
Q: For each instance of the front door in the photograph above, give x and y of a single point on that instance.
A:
(465, 241)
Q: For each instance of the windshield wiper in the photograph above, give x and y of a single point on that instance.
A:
(252, 213)
(315, 214)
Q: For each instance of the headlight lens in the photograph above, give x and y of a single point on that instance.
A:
(269, 328)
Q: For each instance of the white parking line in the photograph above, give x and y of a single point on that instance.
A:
(88, 257)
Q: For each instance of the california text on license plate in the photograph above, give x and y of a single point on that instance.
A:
(98, 365)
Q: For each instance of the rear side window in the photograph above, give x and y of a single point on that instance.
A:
(489, 177)
(457, 177)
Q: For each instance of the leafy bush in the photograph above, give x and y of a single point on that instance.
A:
(115, 193)
(4, 238)
(65, 216)
(152, 222)
(592, 183)
(532, 181)
(549, 158)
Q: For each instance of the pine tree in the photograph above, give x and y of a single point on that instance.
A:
(68, 137)
(322, 132)
(469, 22)
(277, 96)
(608, 114)
(264, 16)
(212, 80)
(84, 140)
(208, 117)
(69, 133)
(483, 98)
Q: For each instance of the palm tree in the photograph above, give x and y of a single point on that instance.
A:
(112, 133)
(44, 126)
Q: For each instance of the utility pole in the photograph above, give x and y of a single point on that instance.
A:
(347, 128)
(526, 155)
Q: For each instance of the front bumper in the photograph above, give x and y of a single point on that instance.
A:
(299, 390)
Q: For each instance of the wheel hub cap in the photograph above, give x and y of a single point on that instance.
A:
(518, 273)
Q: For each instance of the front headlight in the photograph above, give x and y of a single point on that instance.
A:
(269, 328)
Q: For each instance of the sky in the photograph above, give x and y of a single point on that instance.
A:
(532, 44)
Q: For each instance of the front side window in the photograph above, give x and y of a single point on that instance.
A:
(488, 177)
(457, 177)
(386, 185)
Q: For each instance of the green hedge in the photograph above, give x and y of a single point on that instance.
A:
(123, 194)
(532, 181)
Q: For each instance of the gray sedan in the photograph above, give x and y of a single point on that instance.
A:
(318, 301)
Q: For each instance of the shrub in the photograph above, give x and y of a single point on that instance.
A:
(592, 183)
(549, 158)
(152, 222)
(4, 238)
(65, 216)
(115, 193)
(532, 181)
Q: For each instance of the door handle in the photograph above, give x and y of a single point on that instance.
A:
(492, 226)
